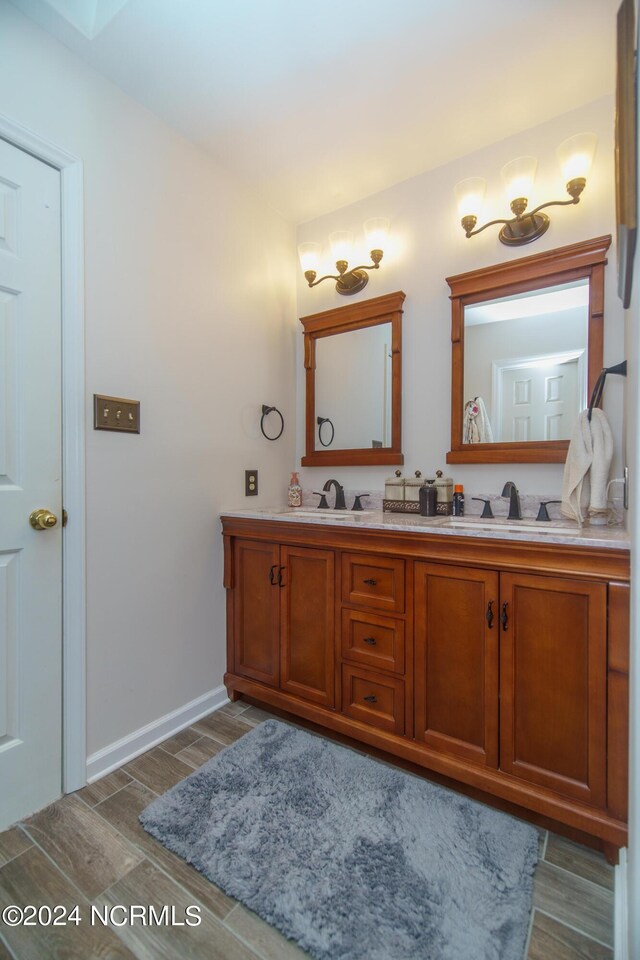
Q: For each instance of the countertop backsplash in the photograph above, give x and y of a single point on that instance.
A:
(529, 503)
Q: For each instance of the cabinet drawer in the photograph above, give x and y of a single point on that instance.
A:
(373, 699)
(373, 581)
(374, 641)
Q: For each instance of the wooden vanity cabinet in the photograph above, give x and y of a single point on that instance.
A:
(283, 618)
(456, 661)
(502, 665)
(256, 611)
(553, 684)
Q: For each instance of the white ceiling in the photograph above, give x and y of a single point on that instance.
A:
(317, 105)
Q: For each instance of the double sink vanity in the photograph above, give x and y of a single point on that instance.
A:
(497, 657)
(493, 653)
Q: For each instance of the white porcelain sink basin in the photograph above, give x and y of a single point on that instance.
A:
(514, 526)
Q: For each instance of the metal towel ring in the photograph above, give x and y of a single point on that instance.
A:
(265, 413)
(321, 421)
(596, 396)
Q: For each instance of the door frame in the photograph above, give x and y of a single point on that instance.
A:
(74, 738)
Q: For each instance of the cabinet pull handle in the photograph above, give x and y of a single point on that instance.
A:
(504, 619)
(370, 640)
(280, 581)
(371, 699)
(489, 614)
(272, 579)
(370, 581)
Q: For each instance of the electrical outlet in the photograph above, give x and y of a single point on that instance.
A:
(251, 483)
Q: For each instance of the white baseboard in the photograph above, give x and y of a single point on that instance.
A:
(621, 910)
(120, 752)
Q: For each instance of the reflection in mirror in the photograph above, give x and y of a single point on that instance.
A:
(525, 365)
(526, 351)
(353, 388)
(353, 383)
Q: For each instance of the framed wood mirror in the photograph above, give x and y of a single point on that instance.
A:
(526, 351)
(353, 364)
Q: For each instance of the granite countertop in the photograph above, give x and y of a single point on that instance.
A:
(565, 532)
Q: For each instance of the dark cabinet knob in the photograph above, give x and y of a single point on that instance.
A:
(272, 579)
(371, 699)
(281, 582)
(370, 640)
(370, 581)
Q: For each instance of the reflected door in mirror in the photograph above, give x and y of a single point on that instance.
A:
(525, 365)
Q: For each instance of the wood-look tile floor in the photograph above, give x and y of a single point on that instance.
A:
(89, 849)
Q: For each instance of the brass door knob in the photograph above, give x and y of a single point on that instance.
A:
(42, 519)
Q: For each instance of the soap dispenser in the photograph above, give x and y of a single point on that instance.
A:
(294, 498)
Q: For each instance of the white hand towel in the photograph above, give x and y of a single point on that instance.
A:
(587, 465)
(477, 427)
(484, 424)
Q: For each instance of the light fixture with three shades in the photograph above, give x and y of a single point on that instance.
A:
(575, 156)
(348, 281)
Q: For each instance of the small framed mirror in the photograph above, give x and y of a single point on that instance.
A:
(526, 352)
(353, 364)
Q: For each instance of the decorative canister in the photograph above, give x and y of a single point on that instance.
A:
(412, 487)
(394, 487)
(428, 499)
(444, 489)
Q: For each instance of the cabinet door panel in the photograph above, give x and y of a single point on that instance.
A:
(307, 616)
(456, 661)
(553, 680)
(256, 611)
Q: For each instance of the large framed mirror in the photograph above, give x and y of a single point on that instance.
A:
(526, 349)
(353, 367)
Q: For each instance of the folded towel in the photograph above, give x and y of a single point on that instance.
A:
(477, 426)
(584, 484)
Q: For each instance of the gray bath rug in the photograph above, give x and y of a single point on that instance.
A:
(352, 858)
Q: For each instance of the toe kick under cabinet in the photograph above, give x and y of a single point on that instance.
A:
(499, 664)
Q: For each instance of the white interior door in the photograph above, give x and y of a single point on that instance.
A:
(540, 402)
(30, 479)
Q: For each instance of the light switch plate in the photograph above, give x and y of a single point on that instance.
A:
(116, 413)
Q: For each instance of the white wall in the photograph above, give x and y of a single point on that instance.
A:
(189, 308)
(426, 245)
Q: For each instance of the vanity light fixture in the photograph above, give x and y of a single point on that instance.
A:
(348, 281)
(575, 156)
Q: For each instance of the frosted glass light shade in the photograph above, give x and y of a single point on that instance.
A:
(575, 155)
(469, 196)
(341, 244)
(518, 176)
(376, 230)
(309, 254)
